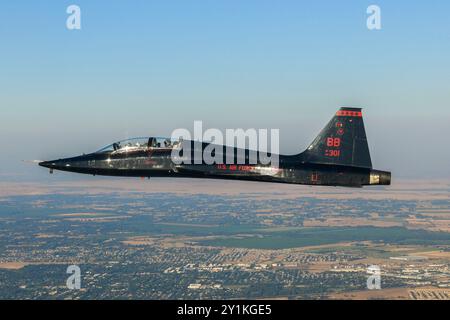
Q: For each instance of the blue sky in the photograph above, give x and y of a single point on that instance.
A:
(147, 67)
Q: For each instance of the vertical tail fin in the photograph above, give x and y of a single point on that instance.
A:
(342, 142)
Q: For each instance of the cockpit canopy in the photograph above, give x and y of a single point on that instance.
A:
(141, 144)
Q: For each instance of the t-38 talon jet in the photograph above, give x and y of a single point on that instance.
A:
(339, 156)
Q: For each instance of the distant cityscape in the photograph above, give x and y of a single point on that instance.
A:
(225, 241)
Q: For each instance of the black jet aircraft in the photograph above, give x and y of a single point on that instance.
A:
(338, 156)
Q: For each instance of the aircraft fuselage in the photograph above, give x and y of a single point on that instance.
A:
(157, 162)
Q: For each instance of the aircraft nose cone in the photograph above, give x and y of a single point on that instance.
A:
(66, 164)
(47, 164)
